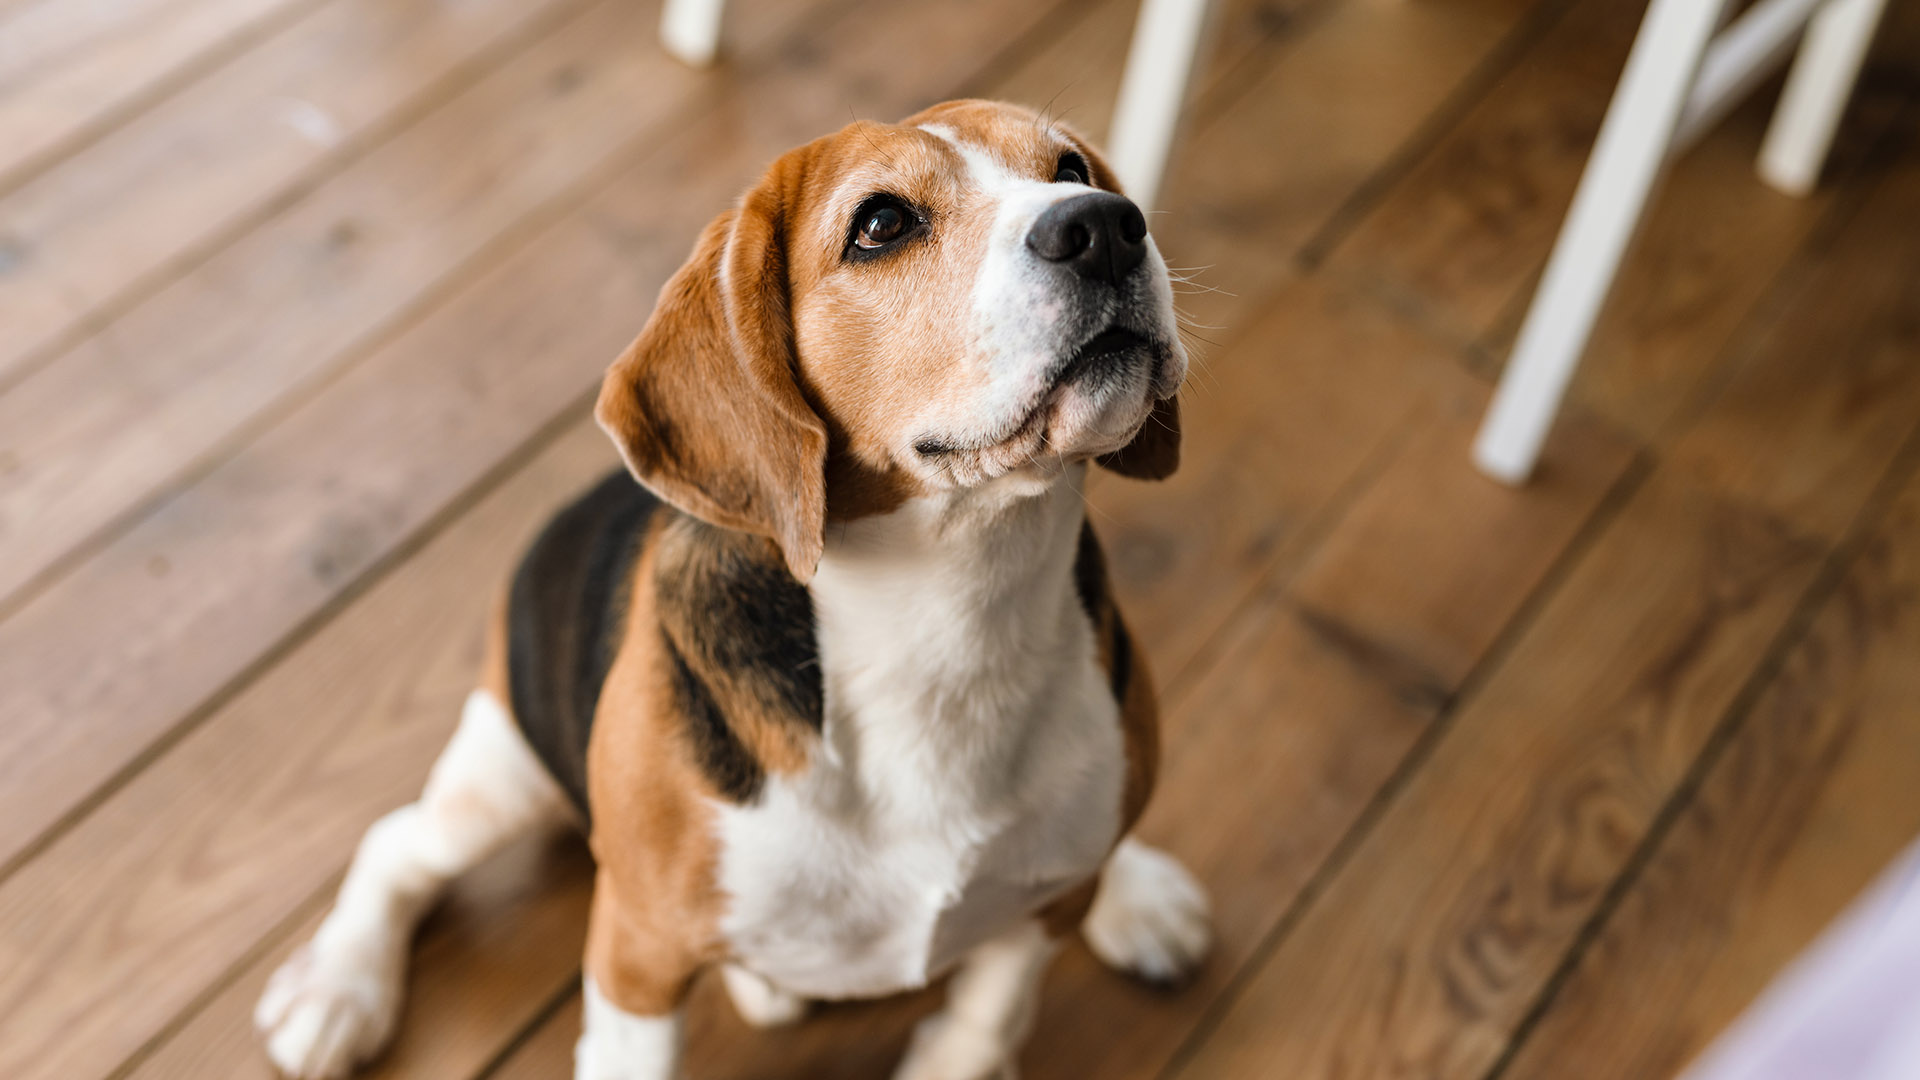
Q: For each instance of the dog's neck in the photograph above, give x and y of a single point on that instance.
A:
(944, 624)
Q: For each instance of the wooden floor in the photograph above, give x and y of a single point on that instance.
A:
(303, 301)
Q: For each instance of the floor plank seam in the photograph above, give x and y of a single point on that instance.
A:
(1487, 352)
(455, 508)
(1812, 601)
(1485, 76)
(460, 78)
(1267, 585)
(1226, 87)
(512, 239)
(1798, 273)
(1606, 510)
(224, 52)
(267, 942)
(531, 1029)
(1011, 56)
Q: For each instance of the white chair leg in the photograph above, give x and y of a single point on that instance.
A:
(1817, 90)
(690, 30)
(1626, 162)
(1166, 38)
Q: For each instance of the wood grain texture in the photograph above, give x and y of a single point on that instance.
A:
(209, 850)
(1279, 425)
(1075, 76)
(1459, 242)
(1431, 944)
(504, 942)
(1812, 797)
(1433, 939)
(73, 66)
(174, 183)
(1255, 180)
(147, 397)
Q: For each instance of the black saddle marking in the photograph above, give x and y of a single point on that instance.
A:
(726, 761)
(743, 641)
(566, 619)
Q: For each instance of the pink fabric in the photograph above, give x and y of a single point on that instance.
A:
(1848, 1008)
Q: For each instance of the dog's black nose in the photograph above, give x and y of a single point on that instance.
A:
(1101, 236)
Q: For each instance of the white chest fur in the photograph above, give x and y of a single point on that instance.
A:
(972, 762)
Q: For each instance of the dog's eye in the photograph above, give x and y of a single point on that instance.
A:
(1072, 170)
(881, 221)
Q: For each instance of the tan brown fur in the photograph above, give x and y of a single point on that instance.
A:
(656, 906)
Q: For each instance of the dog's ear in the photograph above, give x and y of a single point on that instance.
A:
(705, 406)
(1154, 453)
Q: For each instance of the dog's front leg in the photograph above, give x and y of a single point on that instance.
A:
(990, 1007)
(638, 969)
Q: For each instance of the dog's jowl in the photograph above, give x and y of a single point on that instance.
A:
(832, 675)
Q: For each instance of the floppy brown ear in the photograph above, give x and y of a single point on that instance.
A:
(1154, 453)
(704, 405)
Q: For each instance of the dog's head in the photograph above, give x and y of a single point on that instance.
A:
(899, 309)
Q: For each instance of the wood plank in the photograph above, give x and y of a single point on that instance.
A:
(1075, 77)
(1432, 941)
(1281, 424)
(505, 932)
(1812, 798)
(1472, 221)
(1373, 583)
(74, 67)
(1257, 179)
(114, 220)
(182, 374)
(175, 879)
(1459, 241)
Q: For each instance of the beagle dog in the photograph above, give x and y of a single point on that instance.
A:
(838, 689)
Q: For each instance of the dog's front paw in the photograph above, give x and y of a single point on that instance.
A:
(759, 1002)
(943, 1049)
(324, 1014)
(1149, 917)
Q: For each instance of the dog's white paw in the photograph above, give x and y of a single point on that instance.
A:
(1150, 917)
(619, 1045)
(759, 1002)
(322, 1014)
(945, 1050)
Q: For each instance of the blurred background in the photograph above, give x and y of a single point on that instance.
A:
(303, 303)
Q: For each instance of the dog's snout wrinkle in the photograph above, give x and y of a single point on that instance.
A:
(1100, 236)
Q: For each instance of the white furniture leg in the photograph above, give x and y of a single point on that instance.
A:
(690, 30)
(1166, 38)
(1626, 161)
(1741, 57)
(1817, 90)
